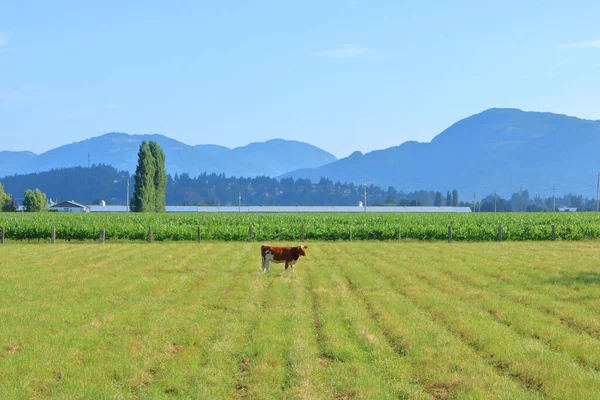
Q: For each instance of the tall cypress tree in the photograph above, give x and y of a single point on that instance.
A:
(455, 198)
(438, 199)
(160, 176)
(448, 199)
(144, 194)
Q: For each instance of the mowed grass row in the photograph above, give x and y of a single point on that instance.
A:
(357, 320)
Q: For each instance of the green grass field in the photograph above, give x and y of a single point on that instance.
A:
(372, 320)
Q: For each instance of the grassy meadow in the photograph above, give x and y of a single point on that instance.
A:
(372, 320)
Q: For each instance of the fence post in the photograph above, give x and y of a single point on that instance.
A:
(199, 234)
(302, 233)
(499, 233)
(553, 234)
(149, 234)
(350, 232)
(102, 234)
(2, 235)
(449, 233)
(399, 235)
(250, 233)
(53, 237)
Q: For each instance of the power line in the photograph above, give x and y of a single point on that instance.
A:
(365, 187)
(494, 200)
(520, 197)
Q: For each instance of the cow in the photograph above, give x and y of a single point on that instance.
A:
(281, 254)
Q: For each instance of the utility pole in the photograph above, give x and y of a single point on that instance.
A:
(520, 196)
(365, 185)
(494, 200)
(474, 209)
(127, 199)
(553, 198)
(239, 201)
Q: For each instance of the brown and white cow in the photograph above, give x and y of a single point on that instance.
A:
(281, 254)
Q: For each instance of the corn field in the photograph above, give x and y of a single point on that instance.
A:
(290, 227)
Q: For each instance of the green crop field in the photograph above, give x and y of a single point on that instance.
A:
(329, 227)
(368, 320)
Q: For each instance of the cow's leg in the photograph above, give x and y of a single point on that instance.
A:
(267, 266)
(286, 265)
(263, 265)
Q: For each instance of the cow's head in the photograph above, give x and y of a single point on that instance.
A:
(302, 250)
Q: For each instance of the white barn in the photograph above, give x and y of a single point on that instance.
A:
(69, 206)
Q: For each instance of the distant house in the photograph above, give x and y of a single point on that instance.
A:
(69, 206)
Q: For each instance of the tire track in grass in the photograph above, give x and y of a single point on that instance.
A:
(247, 354)
(560, 280)
(362, 364)
(271, 370)
(166, 328)
(325, 355)
(438, 361)
(64, 324)
(494, 342)
(524, 275)
(396, 345)
(574, 316)
(525, 321)
(207, 364)
(304, 353)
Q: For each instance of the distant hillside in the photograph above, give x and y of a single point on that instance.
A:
(270, 158)
(100, 182)
(497, 149)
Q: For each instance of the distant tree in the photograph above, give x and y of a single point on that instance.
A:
(534, 208)
(144, 194)
(13, 205)
(438, 199)
(423, 198)
(449, 199)
(574, 201)
(454, 198)
(519, 201)
(5, 200)
(160, 176)
(389, 201)
(35, 201)
(502, 205)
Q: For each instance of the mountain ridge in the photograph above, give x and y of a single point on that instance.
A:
(120, 150)
(496, 149)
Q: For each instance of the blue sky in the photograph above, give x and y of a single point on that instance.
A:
(342, 75)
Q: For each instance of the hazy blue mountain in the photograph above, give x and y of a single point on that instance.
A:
(271, 158)
(498, 149)
(11, 160)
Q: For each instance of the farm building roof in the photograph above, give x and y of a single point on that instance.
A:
(69, 203)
